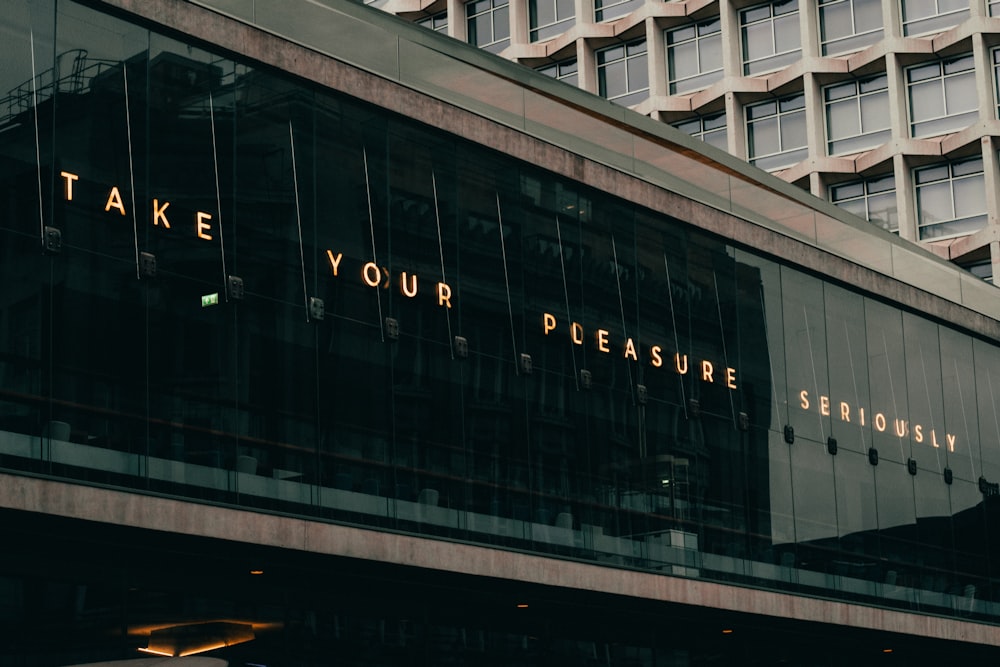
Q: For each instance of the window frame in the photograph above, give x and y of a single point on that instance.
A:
(937, 124)
(571, 78)
(705, 133)
(495, 7)
(552, 29)
(625, 98)
(878, 136)
(937, 22)
(431, 22)
(796, 153)
(703, 78)
(950, 179)
(867, 195)
(854, 41)
(614, 9)
(776, 59)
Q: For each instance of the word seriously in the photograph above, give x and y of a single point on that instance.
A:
(852, 414)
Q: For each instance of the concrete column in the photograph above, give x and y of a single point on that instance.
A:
(587, 66)
(518, 22)
(457, 26)
(991, 179)
(809, 27)
(584, 12)
(984, 78)
(995, 260)
(817, 187)
(656, 57)
(815, 117)
(905, 198)
(892, 20)
(732, 56)
(899, 117)
(736, 128)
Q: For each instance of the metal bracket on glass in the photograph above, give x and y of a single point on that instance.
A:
(526, 363)
(586, 379)
(641, 394)
(461, 347)
(317, 309)
(831, 445)
(234, 285)
(911, 466)
(694, 407)
(147, 265)
(52, 241)
(392, 328)
(743, 421)
(789, 434)
(873, 456)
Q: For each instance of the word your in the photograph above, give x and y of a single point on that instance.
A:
(901, 427)
(374, 275)
(706, 370)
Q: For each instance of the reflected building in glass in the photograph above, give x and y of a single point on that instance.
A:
(881, 90)
(325, 338)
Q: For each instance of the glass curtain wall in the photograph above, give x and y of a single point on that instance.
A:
(222, 284)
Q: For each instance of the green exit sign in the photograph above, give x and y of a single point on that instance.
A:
(210, 300)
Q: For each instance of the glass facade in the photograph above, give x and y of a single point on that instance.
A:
(221, 284)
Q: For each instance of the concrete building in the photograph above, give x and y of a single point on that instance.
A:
(325, 339)
(888, 109)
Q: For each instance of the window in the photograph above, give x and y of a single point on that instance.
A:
(951, 198)
(848, 25)
(694, 56)
(770, 36)
(993, 8)
(776, 132)
(622, 74)
(857, 115)
(996, 75)
(605, 10)
(942, 96)
(710, 129)
(873, 199)
(549, 18)
(437, 22)
(564, 71)
(920, 16)
(982, 269)
(489, 24)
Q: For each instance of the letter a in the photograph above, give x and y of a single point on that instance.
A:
(115, 201)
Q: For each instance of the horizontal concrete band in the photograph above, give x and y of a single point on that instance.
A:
(237, 37)
(67, 500)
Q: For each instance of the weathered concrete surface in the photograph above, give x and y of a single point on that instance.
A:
(67, 500)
